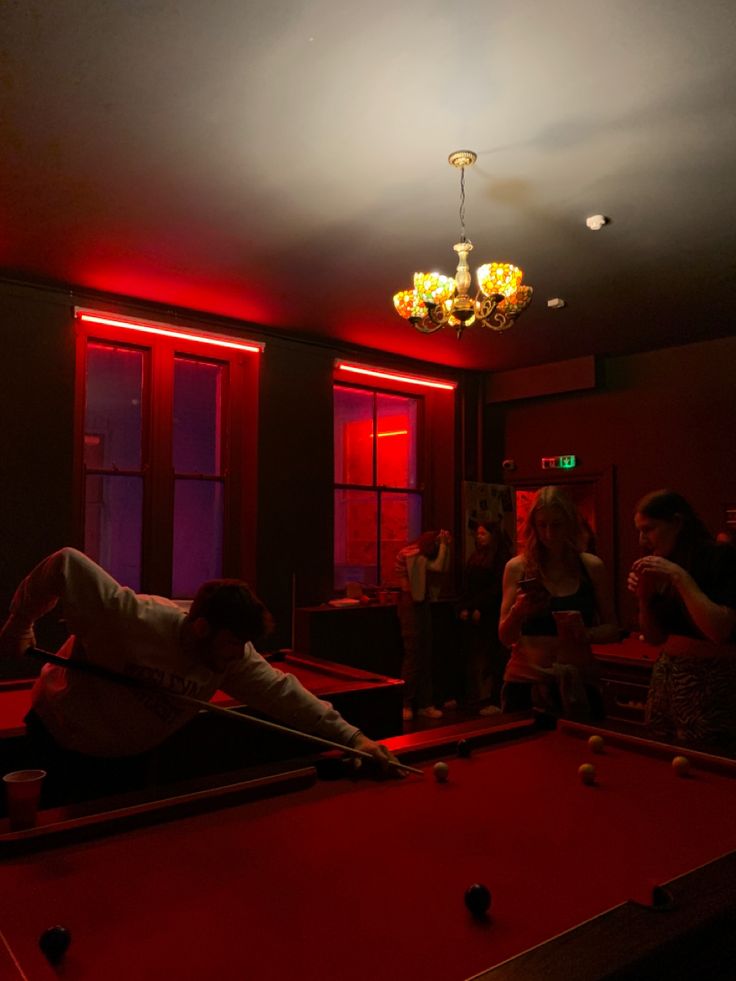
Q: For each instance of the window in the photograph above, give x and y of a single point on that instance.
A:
(378, 501)
(114, 459)
(164, 451)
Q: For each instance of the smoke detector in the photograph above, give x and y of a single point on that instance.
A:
(596, 222)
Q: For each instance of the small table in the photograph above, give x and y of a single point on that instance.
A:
(626, 669)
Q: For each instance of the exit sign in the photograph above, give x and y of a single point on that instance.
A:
(559, 462)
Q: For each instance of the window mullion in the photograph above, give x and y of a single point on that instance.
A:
(158, 524)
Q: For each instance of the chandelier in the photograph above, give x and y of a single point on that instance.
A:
(442, 301)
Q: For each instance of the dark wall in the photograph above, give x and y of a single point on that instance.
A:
(664, 418)
(295, 479)
(37, 411)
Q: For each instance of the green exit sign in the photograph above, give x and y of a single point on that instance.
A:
(568, 462)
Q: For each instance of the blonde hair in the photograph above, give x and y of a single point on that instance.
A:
(532, 548)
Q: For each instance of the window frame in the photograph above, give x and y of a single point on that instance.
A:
(376, 488)
(239, 420)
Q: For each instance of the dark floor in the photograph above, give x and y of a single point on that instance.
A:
(449, 717)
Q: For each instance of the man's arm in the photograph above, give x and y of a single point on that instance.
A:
(66, 577)
(281, 696)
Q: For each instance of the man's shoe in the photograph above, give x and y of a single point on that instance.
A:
(430, 712)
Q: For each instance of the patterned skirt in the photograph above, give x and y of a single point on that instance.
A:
(692, 694)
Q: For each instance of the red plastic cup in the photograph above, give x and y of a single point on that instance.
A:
(22, 793)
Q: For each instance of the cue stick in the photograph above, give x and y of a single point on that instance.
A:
(131, 682)
(293, 613)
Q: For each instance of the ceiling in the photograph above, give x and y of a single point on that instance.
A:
(285, 162)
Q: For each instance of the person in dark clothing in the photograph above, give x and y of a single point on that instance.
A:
(686, 591)
(483, 656)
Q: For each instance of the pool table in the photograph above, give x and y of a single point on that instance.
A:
(287, 876)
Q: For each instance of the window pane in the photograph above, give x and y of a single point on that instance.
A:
(401, 522)
(396, 441)
(112, 525)
(356, 535)
(197, 416)
(353, 436)
(198, 522)
(113, 410)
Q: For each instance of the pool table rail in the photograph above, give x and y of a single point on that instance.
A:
(95, 819)
(692, 936)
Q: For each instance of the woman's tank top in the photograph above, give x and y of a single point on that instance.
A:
(583, 600)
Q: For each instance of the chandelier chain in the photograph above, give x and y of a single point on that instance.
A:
(462, 205)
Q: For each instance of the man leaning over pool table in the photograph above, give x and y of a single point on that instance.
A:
(80, 723)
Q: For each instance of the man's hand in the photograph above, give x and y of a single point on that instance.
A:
(16, 637)
(380, 754)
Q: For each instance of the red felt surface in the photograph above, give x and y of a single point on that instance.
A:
(366, 880)
(14, 704)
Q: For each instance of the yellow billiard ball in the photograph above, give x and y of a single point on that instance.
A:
(681, 765)
(596, 744)
(586, 772)
(441, 772)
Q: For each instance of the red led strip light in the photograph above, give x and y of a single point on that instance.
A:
(406, 379)
(150, 328)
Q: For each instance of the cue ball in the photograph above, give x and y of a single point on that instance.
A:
(586, 772)
(681, 765)
(54, 942)
(441, 771)
(478, 899)
(463, 748)
(596, 744)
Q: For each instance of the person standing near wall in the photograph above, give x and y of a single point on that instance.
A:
(429, 553)
(484, 657)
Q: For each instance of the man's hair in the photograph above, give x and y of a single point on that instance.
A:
(229, 604)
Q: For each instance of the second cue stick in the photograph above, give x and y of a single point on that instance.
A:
(128, 682)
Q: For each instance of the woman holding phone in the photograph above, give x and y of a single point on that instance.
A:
(556, 602)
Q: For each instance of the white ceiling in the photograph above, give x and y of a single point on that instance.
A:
(286, 162)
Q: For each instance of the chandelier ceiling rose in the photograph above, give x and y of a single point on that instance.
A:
(462, 158)
(439, 301)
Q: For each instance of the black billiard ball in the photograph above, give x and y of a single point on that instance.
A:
(478, 899)
(54, 942)
(463, 748)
